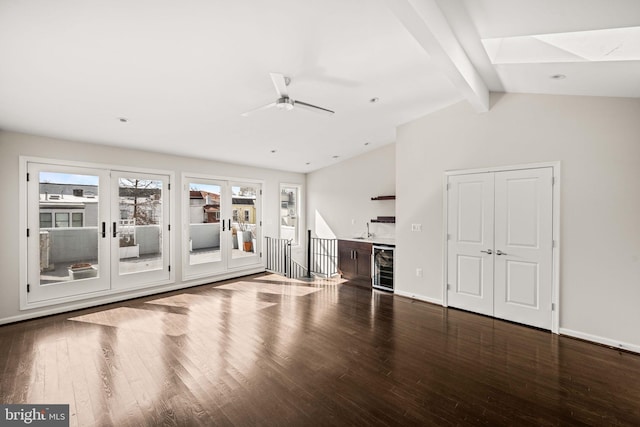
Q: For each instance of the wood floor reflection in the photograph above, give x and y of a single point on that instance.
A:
(267, 351)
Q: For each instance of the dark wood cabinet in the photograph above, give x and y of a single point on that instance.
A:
(354, 261)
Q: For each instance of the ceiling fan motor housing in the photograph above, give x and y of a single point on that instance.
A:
(285, 103)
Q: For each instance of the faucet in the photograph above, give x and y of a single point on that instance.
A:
(368, 234)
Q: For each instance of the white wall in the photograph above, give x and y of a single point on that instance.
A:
(597, 141)
(339, 197)
(12, 145)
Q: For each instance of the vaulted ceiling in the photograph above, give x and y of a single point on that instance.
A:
(175, 77)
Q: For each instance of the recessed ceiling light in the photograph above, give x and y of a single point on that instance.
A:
(273, 151)
(558, 77)
(374, 100)
(123, 119)
(335, 157)
(367, 143)
(308, 163)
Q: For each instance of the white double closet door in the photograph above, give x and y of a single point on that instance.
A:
(499, 244)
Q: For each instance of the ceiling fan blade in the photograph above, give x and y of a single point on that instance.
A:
(312, 107)
(264, 107)
(280, 82)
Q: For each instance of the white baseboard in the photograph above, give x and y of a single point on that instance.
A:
(600, 340)
(62, 308)
(418, 297)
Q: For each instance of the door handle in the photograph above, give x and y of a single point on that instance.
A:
(115, 233)
(488, 251)
(499, 252)
(229, 223)
(223, 225)
(104, 229)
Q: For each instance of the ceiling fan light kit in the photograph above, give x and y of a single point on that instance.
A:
(283, 102)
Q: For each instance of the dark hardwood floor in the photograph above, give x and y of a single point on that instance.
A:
(264, 351)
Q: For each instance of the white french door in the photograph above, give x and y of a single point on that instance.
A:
(68, 239)
(221, 225)
(93, 230)
(500, 237)
(139, 229)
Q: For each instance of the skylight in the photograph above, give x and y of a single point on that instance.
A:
(615, 44)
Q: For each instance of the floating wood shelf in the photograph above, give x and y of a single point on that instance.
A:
(385, 219)
(384, 198)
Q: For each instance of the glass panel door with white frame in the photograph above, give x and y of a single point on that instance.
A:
(68, 245)
(220, 225)
(140, 228)
(204, 226)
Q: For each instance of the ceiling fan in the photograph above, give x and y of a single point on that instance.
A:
(284, 102)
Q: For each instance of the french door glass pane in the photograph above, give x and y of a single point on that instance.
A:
(243, 200)
(140, 225)
(68, 253)
(204, 223)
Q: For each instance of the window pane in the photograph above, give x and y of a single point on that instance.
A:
(243, 199)
(204, 223)
(62, 219)
(45, 220)
(140, 225)
(76, 219)
(289, 206)
(71, 254)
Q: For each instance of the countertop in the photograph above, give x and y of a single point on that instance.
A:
(374, 240)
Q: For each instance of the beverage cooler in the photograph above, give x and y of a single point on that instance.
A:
(383, 267)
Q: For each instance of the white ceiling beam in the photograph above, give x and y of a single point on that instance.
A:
(428, 25)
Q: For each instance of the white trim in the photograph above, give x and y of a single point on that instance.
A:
(555, 281)
(538, 165)
(600, 340)
(418, 297)
(107, 299)
(220, 178)
(445, 238)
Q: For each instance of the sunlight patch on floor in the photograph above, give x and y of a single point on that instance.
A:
(138, 320)
(269, 288)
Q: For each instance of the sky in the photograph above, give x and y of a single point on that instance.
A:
(67, 178)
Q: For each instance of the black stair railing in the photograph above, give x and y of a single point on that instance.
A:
(321, 255)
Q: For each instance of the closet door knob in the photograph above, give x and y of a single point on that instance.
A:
(488, 251)
(499, 252)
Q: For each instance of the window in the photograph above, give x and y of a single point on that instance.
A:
(290, 212)
(45, 220)
(246, 215)
(235, 215)
(76, 219)
(62, 219)
(78, 192)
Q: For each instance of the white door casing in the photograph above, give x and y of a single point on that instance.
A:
(500, 244)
